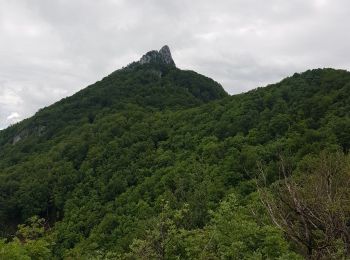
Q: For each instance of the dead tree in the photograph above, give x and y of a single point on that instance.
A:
(312, 207)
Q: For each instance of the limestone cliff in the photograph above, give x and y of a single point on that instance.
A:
(162, 56)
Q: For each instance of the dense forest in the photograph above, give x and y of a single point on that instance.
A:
(154, 162)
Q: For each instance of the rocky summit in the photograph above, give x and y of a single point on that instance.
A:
(163, 56)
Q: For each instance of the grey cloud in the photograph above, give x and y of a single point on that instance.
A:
(51, 49)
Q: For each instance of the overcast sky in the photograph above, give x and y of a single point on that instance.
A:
(51, 49)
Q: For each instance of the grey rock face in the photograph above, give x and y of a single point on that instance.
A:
(38, 130)
(166, 54)
(20, 136)
(16, 139)
(163, 56)
(151, 56)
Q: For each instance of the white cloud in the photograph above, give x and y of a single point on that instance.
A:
(9, 98)
(51, 49)
(13, 115)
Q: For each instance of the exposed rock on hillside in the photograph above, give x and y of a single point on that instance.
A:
(162, 56)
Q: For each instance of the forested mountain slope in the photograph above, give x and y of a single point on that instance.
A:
(154, 162)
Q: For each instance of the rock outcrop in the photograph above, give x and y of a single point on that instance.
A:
(163, 56)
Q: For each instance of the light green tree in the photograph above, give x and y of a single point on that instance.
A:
(28, 243)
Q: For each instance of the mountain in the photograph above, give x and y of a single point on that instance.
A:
(152, 83)
(153, 162)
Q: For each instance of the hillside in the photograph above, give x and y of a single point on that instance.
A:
(150, 87)
(152, 151)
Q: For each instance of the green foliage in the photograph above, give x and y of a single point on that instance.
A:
(163, 240)
(239, 231)
(97, 165)
(29, 242)
(12, 250)
(235, 231)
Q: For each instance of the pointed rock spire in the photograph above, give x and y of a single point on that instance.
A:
(163, 56)
(166, 54)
